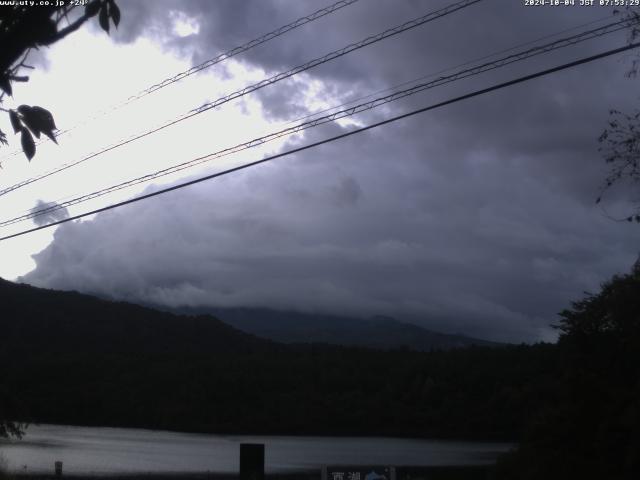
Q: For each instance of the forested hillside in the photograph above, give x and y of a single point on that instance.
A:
(377, 332)
(72, 358)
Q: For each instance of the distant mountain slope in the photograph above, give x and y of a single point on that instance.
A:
(377, 332)
(70, 358)
(52, 320)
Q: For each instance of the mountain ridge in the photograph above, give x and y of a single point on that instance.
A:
(280, 326)
(75, 359)
(378, 332)
(55, 319)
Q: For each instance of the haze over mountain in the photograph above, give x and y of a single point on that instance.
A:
(74, 359)
(377, 332)
(84, 316)
(480, 215)
(36, 318)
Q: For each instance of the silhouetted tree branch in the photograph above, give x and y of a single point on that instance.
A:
(590, 431)
(23, 28)
(620, 141)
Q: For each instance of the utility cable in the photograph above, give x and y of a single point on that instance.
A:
(243, 48)
(257, 86)
(448, 69)
(337, 137)
(209, 63)
(489, 66)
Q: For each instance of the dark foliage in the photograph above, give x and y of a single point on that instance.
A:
(76, 359)
(24, 27)
(620, 146)
(620, 140)
(593, 429)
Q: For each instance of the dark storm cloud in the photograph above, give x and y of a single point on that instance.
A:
(484, 28)
(353, 228)
(53, 213)
(286, 102)
(478, 217)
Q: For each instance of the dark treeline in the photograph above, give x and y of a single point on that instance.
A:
(591, 430)
(71, 358)
(573, 407)
(477, 393)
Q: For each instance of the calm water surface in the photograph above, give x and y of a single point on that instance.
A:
(119, 450)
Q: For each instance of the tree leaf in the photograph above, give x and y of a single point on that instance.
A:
(39, 120)
(3, 138)
(91, 9)
(28, 145)
(15, 121)
(104, 18)
(44, 117)
(114, 12)
(30, 120)
(5, 85)
(51, 136)
(47, 124)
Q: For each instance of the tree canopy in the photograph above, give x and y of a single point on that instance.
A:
(620, 140)
(25, 27)
(591, 429)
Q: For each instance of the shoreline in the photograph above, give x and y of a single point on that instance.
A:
(278, 433)
(453, 472)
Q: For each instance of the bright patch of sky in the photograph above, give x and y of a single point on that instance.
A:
(87, 76)
(184, 25)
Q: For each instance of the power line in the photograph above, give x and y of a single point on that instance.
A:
(213, 61)
(49, 205)
(339, 53)
(337, 137)
(448, 69)
(488, 66)
(243, 48)
(53, 206)
(263, 83)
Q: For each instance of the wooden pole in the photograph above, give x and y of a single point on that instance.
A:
(251, 461)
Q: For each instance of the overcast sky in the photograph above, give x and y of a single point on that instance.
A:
(478, 217)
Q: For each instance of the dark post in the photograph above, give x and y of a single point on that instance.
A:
(58, 467)
(251, 461)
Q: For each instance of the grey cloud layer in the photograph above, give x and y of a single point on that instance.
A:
(476, 218)
(43, 218)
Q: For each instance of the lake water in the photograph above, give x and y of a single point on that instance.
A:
(118, 450)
